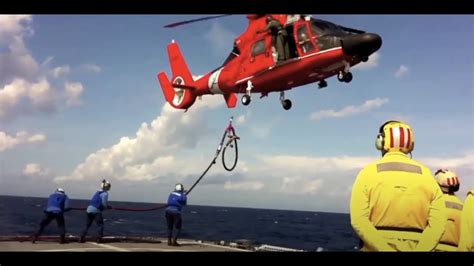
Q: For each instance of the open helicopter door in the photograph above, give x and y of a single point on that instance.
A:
(304, 38)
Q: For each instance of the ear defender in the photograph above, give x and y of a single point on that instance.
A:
(379, 142)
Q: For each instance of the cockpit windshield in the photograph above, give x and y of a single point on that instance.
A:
(321, 28)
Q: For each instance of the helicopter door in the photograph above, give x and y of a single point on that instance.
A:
(261, 54)
(304, 39)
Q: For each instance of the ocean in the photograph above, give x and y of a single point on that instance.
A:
(311, 231)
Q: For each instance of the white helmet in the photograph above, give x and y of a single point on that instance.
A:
(60, 190)
(447, 180)
(179, 187)
(105, 185)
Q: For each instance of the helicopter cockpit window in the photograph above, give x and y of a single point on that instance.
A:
(321, 28)
(303, 39)
(258, 48)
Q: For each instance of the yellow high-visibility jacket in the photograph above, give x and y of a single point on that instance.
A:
(466, 240)
(453, 208)
(396, 204)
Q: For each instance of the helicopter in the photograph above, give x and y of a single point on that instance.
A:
(318, 50)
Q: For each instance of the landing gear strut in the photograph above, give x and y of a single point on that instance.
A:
(286, 103)
(246, 97)
(345, 75)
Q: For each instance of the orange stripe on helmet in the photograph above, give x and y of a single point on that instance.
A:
(408, 138)
(402, 137)
(391, 138)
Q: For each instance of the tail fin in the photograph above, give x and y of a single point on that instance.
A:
(180, 92)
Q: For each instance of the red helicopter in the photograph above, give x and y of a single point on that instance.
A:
(318, 50)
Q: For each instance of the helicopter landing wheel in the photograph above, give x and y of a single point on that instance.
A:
(348, 77)
(322, 84)
(246, 99)
(286, 104)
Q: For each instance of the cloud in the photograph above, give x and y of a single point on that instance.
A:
(17, 60)
(240, 120)
(370, 64)
(220, 39)
(59, 71)
(24, 86)
(150, 153)
(73, 92)
(467, 161)
(349, 110)
(288, 165)
(21, 97)
(92, 68)
(402, 71)
(9, 142)
(244, 185)
(47, 61)
(34, 170)
(299, 185)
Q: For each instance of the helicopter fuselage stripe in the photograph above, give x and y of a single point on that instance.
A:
(213, 82)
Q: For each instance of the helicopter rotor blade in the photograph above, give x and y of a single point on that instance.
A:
(172, 25)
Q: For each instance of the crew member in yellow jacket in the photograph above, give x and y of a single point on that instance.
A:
(449, 183)
(466, 241)
(396, 205)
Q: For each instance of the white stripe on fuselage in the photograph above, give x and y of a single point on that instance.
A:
(213, 82)
(302, 57)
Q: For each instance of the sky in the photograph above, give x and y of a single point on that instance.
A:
(79, 102)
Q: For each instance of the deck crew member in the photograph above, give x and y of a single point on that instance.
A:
(449, 183)
(57, 204)
(396, 205)
(98, 203)
(176, 200)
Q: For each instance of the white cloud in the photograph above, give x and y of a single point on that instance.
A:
(73, 92)
(240, 120)
(402, 71)
(467, 161)
(59, 71)
(24, 87)
(9, 142)
(34, 170)
(92, 68)
(370, 64)
(288, 165)
(148, 155)
(21, 96)
(17, 61)
(299, 185)
(349, 110)
(244, 185)
(47, 61)
(11, 26)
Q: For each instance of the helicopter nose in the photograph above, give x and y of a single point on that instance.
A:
(361, 44)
